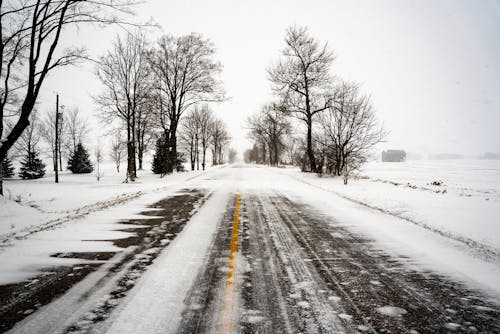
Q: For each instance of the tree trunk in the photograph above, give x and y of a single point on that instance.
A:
(197, 151)
(166, 144)
(204, 155)
(276, 153)
(140, 154)
(20, 126)
(140, 146)
(133, 145)
(271, 162)
(172, 149)
(310, 152)
(130, 155)
(1, 178)
(130, 161)
(192, 156)
(214, 155)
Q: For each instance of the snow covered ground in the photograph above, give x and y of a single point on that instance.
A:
(437, 228)
(465, 206)
(29, 204)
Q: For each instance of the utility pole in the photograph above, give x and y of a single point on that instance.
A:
(57, 139)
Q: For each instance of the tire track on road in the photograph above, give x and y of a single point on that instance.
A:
(370, 280)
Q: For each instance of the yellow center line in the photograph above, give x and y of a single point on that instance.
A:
(227, 316)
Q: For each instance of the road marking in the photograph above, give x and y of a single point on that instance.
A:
(227, 316)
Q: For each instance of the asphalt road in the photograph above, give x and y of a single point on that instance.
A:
(274, 265)
(299, 272)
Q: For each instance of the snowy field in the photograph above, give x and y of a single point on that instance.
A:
(465, 205)
(31, 203)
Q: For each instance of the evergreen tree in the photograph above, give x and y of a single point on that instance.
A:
(79, 162)
(32, 167)
(159, 158)
(7, 168)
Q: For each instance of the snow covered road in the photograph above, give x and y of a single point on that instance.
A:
(301, 273)
(293, 258)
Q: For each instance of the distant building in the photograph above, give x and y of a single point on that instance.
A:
(393, 156)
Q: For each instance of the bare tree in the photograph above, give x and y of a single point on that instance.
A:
(220, 138)
(29, 50)
(350, 129)
(203, 117)
(185, 74)
(291, 145)
(232, 155)
(300, 78)
(99, 157)
(30, 138)
(117, 150)
(124, 74)
(144, 126)
(269, 127)
(76, 130)
(48, 125)
(255, 124)
(189, 136)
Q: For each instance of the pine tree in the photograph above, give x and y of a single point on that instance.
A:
(32, 167)
(79, 162)
(159, 163)
(7, 168)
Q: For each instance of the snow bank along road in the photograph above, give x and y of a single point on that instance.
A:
(251, 250)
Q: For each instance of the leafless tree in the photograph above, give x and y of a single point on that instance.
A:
(99, 157)
(117, 150)
(30, 138)
(48, 133)
(123, 72)
(220, 138)
(251, 155)
(185, 74)
(269, 127)
(30, 34)
(189, 136)
(204, 118)
(291, 148)
(300, 78)
(257, 133)
(76, 129)
(144, 126)
(196, 134)
(350, 129)
(232, 155)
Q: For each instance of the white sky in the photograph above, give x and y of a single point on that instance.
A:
(432, 67)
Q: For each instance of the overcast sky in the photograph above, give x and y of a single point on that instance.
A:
(432, 67)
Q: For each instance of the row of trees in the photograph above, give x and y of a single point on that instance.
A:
(148, 87)
(30, 32)
(340, 124)
(73, 130)
(200, 131)
(269, 130)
